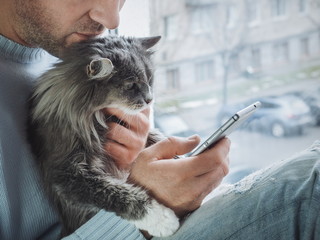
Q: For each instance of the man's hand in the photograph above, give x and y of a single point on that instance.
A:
(181, 184)
(126, 140)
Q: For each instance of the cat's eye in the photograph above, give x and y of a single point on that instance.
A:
(130, 85)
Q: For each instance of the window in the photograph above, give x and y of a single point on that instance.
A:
(201, 19)
(281, 52)
(170, 27)
(255, 57)
(231, 16)
(278, 8)
(267, 63)
(173, 82)
(304, 43)
(252, 11)
(319, 41)
(302, 6)
(234, 63)
(204, 71)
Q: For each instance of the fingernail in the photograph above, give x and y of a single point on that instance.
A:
(193, 137)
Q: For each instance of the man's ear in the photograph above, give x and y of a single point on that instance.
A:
(149, 42)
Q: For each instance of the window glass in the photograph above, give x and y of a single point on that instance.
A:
(204, 71)
(231, 14)
(281, 52)
(170, 27)
(200, 19)
(253, 11)
(304, 47)
(173, 81)
(278, 7)
(302, 5)
(256, 57)
(202, 79)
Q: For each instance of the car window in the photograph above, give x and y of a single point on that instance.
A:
(268, 105)
(217, 56)
(172, 125)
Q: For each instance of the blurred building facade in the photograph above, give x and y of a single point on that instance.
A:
(208, 42)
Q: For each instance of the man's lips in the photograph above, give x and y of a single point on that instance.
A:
(80, 36)
(86, 36)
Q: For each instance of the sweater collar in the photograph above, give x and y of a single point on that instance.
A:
(19, 53)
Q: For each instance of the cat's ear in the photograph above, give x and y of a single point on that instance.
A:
(99, 68)
(149, 42)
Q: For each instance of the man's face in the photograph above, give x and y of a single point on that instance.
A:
(55, 24)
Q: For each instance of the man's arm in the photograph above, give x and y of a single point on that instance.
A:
(106, 225)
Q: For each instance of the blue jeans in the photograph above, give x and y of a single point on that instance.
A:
(280, 202)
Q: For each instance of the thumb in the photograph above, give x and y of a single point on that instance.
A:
(172, 146)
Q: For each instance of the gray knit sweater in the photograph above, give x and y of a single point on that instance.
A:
(25, 212)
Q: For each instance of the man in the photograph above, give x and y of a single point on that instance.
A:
(26, 26)
(181, 184)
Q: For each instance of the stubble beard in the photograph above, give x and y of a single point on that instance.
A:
(36, 28)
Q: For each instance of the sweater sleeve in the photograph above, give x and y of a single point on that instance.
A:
(106, 225)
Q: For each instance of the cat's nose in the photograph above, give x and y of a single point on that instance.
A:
(148, 99)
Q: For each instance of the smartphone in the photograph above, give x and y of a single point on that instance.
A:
(228, 127)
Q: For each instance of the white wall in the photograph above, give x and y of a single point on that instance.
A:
(134, 18)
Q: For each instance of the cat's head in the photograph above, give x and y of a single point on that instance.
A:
(114, 71)
(93, 75)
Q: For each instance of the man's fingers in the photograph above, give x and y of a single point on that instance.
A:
(136, 122)
(126, 136)
(211, 159)
(172, 146)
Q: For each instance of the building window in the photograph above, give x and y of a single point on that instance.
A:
(304, 42)
(204, 71)
(170, 27)
(319, 39)
(252, 11)
(173, 81)
(234, 63)
(281, 52)
(302, 6)
(201, 19)
(256, 57)
(278, 8)
(231, 16)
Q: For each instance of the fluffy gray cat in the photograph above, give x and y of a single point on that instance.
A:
(67, 129)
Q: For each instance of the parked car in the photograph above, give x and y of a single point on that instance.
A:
(171, 124)
(312, 99)
(278, 116)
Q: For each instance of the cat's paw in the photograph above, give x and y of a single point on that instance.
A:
(159, 221)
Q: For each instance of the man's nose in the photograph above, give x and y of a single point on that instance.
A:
(106, 12)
